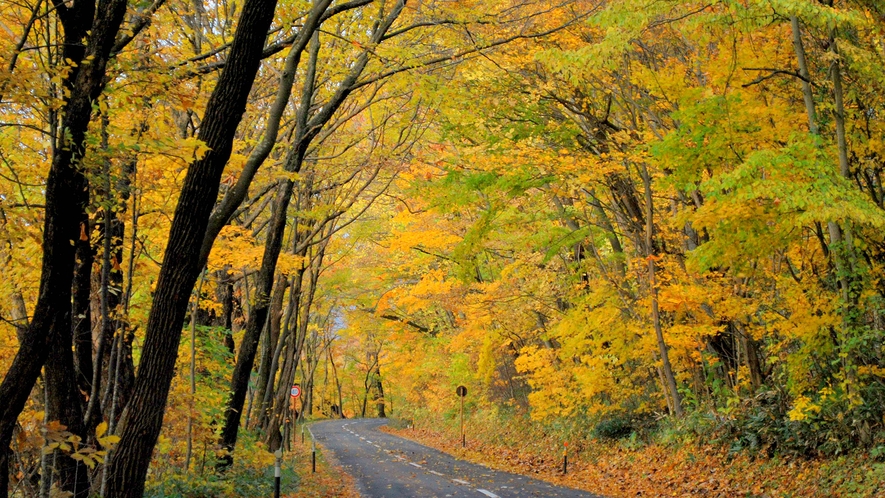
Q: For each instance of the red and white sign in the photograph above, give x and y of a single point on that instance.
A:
(296, 391)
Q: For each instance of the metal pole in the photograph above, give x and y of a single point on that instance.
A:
(276, 474)
(463, 439)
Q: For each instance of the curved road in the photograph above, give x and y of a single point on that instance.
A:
(386, 466)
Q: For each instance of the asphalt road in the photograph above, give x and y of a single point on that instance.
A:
(386, 466)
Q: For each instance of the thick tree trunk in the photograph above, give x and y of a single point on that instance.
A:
(63, 403)
(143, 417)
(66, 199)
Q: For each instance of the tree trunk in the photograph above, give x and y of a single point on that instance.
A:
(337, 382)
(82, 313)
(120, 380)
(66, 199)
(225, 294)
(258, 317)
(751, 356)
(273, 339)
(666, 369)
(379, 389)
(234, 196)
(143, 418)
(293, 356)
(64, 404)
(286, 339)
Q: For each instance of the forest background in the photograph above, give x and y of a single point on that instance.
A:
(650, 229)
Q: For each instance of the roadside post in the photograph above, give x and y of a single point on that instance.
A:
(277, 473)
(565, 459)
(461, 391)
(313, 456)
(295, 393)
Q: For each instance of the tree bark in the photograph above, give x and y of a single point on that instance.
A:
(379, 389)
(225, 294)
(143, 417)
(82, 312)
(63, 403)
(272, 341)
(666, 368)
(257, 319)
(296, 346)
(119, 383)
(234, 197)
(286, 340)
(66, 199)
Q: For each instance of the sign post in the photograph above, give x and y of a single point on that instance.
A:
(461, 391)
(295, 393)
(277, 473)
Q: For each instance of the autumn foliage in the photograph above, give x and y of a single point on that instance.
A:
(655, 224)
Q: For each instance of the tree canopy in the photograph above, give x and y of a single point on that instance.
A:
(587, 212)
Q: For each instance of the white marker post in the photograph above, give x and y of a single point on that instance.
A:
(277, 473)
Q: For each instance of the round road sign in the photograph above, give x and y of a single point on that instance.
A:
(461, 391)
(296, 391)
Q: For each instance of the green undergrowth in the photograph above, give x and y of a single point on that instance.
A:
(252, 473)
(236, 482)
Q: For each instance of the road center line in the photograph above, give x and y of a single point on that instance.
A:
(413, 464)
(435, 473)
(488, 493)
(459, 481)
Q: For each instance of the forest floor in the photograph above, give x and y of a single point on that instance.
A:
(621, 469)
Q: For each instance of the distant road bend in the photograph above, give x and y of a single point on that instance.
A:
(386, 466)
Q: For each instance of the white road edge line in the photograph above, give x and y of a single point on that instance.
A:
(459, 481)
(488, 493)
(413, 464)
